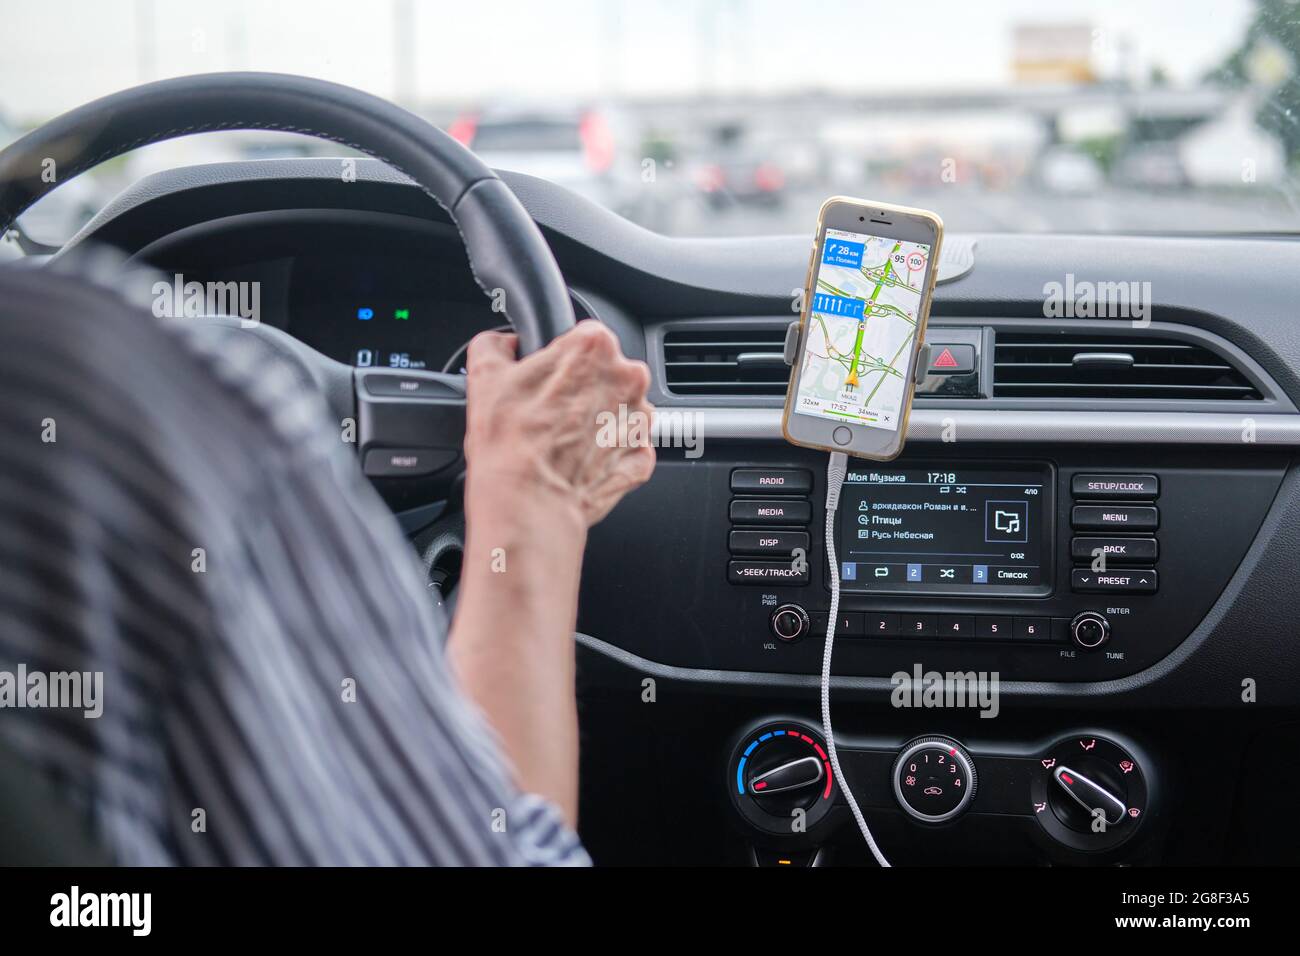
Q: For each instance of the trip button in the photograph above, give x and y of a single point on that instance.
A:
(1117, 550)
(770, 512)
(760, 543)
(771, 481)
(765, 572)
(1115, 486)
(1113, 517)
(1137, 581)
(406, 462)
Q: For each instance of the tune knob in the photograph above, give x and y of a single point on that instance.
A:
(934, 779)
(1090, 630)
(790, 622)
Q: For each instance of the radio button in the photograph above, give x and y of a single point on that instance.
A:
(1033, 629)
(768, 542)
(1115, 486)
(1114, 518)
(1116, 550)
(916, 625)
(771, 481)
(1134, 581)
(765, 572)
(954, 625)
(994, 628)
(753, 511)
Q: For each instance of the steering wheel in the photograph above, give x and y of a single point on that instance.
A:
(409, 425)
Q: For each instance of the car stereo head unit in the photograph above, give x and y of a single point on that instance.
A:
(969, 529)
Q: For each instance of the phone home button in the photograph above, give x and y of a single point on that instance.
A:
(842, 435)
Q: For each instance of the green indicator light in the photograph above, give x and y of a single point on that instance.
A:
(402, 314)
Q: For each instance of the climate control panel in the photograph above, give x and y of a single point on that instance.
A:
(1079, 795)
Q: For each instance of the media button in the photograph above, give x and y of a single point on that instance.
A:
(994, 628)
(956, 625)
(771, 481)
(1115, 517)
(1033, 629)
(916, 625)
(758, 511)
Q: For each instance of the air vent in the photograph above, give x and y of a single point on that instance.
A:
(726, 362)
(1103, 366)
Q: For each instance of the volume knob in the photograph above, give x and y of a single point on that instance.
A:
(790, 622)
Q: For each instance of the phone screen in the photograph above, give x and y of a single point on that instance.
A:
(862, 329)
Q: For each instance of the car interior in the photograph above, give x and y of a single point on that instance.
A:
(1099, 495)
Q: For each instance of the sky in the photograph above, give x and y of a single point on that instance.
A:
(57, 55)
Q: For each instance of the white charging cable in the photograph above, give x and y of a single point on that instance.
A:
(835, 471)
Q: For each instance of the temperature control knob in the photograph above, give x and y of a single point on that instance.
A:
(790, 622)
(934, 779)
(1090, 630)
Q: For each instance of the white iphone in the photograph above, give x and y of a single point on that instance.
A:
(866, 302)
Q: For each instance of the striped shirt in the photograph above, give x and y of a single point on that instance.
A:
(179, 514)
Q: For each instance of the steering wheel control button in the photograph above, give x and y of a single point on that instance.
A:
(767, 572)
(790, 622)
(752, 511)
(771, 481)
(768, 543)
(1115, 517)
(1090, 630)
(934, 779)
(841, 435)
(384, 385)
(1130, 580)
(1115, 550)
(1126, 487)
(406, 462)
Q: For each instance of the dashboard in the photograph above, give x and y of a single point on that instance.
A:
(1097, 519)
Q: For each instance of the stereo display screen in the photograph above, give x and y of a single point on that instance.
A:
(946, 530)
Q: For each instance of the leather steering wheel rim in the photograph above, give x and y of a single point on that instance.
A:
(508, 255)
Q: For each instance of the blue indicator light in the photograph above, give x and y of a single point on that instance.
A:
(364, 314)
(740, 776)
(767, 736)
(750, 749)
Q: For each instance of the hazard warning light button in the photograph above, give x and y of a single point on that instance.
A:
(952, 359)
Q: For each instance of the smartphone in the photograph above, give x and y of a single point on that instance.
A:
(866, 302)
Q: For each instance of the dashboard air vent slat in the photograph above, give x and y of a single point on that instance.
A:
(1043, 365)
(725, 362)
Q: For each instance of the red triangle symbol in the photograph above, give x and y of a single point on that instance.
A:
(945, 360)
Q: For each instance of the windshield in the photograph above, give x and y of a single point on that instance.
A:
(738, 117)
